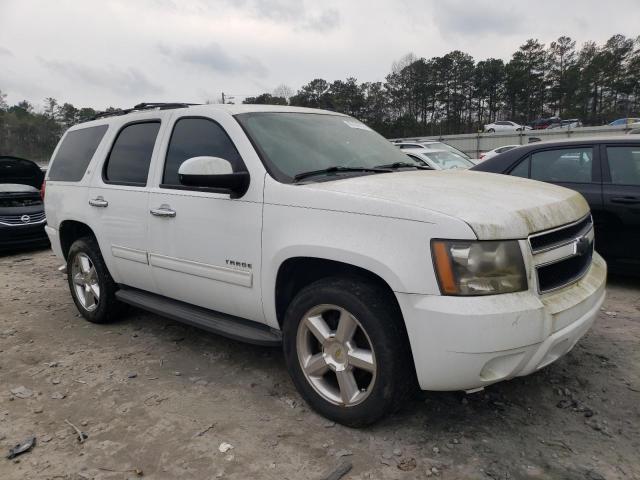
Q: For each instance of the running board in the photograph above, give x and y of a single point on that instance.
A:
(226, 325)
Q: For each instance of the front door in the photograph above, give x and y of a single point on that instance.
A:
(118, 199)
(205, 247)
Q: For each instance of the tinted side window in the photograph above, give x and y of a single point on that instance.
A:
(522, 169)
(624, 164)
(565, 165)
(130, 156)
(198, 137)
(75, 153)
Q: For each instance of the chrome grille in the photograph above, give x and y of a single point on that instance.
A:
(563, 255)
(28, 219)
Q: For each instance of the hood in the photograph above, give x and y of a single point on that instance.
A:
(20, 171)
(494, 206)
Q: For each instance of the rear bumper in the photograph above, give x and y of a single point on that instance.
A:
(465, 343)
(22, 236)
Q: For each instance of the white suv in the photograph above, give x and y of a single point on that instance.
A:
(281, 225)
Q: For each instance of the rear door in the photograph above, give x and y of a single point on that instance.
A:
(119, 198)
(621, 196)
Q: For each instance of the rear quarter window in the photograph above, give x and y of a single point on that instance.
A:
(75, 153)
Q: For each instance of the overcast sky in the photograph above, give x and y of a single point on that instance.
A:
(120, 52)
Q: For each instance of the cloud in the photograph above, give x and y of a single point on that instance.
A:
(324, 22)
(214, 57)
(456, 17)
(5, 52)
(128, 81)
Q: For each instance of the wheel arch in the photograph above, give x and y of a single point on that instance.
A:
(294, 273)
(70, 231)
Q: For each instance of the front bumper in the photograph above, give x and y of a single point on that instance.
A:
(22, 236)
(463, 343)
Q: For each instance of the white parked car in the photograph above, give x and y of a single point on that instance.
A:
(295, 227)
(497, 151)
(438, 159)
(431, 145)
(505, 126)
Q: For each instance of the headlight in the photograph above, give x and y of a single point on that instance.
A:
(465, 267)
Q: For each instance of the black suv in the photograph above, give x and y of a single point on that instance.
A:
(606, 171)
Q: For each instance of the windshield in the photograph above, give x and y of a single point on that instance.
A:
(447, 160)
(294, 143)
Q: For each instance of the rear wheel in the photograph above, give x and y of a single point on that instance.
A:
(491, 130)
(346, 351)
(92, 288)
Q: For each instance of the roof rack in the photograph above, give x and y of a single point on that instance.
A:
(141, 107)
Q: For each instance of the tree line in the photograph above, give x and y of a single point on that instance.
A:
(436, 96)
(455, 94)
(34, 135)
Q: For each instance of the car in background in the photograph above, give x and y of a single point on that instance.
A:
(569, 123)
(496, 151)
(22, 217)
(544, 123)
(606, 171)
(431, 145)
(621, 122)
(438, 159)
(504, 126)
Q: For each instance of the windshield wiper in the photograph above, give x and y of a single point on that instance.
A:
(323, 171)
(397, 165)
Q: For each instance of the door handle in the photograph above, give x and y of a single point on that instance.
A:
(98, 202)
(164, 211)
(627, 200)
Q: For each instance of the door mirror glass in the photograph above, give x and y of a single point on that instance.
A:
(213, 173)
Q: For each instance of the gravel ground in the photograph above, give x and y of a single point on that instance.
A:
(158, 399)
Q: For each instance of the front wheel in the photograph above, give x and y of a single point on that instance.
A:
(346, 351)
(491, 130)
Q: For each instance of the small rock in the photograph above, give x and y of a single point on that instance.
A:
(55, 381)
(22, 392)
(38, 410)
(397, 452)
(436, 450)
(564, 403)
(225, 447)
(58, 395)
(132, 375)
(407, 464)
(84, 423)
(329, 424)
(177, 374)
(455, 441)
(344, 453)
(611, 314)
(46, 439)
(435, 471)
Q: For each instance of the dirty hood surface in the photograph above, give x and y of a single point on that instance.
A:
(494, 206)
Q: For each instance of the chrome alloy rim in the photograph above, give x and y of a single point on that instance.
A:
(85, 282)
(336, 355)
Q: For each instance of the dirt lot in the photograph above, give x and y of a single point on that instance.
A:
(161, 398)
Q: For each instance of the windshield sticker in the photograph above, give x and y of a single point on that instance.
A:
(359, 125)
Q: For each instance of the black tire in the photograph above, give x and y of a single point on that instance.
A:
(491, 130)
(108, 308)
(379, 316)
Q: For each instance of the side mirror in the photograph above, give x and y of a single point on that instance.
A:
(213, 173)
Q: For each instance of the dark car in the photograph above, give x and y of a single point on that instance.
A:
(22, 218)
(544, 123)
(606, 171)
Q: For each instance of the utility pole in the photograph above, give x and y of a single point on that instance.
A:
(223, 98)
